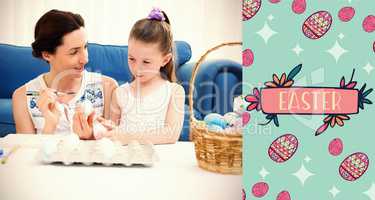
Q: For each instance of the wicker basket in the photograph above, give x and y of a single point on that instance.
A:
(215, 151)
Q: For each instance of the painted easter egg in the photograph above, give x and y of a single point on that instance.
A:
(317, 25)
(368, 23)
(247, 57)
(354, 166)
(283, 195)
(260, 189)
(243, 194)
(346, 14)
(335, 147)
(231, 118)
(299, 6)
(283, 148)
(215, 119)
(250, 8)
(274, 1)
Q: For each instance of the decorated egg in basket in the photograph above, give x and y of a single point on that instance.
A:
(250, 8)
(354, 166)
(215, 119)
(317, 25)
(283, 148)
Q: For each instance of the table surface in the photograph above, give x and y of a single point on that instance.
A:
(175, 176)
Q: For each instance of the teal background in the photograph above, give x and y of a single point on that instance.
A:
(319, 69)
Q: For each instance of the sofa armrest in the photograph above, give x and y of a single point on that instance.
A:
(217, 83)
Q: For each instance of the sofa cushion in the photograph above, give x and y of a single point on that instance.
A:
(17, 65)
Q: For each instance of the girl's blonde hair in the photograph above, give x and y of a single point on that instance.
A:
(157, 31)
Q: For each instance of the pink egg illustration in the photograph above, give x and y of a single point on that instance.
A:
(250, 8)
(317, 25)
(260, 189)
(373, 46)
(283, 195)
(335, 147)
(247, 57)
(299, 6)
(274, 1)
(346, 14)
(354, 166)
(243, 194)
(283, 148)
(368, 23)
(245, 118)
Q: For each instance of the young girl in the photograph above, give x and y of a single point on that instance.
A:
(151, 107)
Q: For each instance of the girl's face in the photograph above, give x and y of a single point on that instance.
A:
(71, 56)
(145, 60)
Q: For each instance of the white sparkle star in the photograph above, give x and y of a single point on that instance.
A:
(368, 68)
(270, 17)
(341, 36)
(336, 51)
(297, 49)
(307, 159)
(371, 192)
(334, 191)
(266, 32)
(263, 172)
(303, 174)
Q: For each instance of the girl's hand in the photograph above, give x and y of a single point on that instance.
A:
(83, 125)
(48, 105)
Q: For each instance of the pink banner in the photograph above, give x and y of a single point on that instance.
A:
(309, 100)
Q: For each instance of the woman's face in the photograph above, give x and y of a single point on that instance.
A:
(145, 60)
(71, 56)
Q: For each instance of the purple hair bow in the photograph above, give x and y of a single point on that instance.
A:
(156, 14)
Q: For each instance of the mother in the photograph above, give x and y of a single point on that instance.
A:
(48, 103)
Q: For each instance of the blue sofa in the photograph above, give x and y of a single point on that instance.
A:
(217, 82)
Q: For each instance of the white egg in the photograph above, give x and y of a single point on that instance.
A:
(70, 142)
(231, 118)
(106, 147)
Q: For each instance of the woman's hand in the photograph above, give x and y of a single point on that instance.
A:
(83, 125)
(48, 105)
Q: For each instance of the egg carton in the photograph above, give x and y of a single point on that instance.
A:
(102, 151)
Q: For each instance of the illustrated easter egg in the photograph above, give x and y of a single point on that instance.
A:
(368, 23)
(247, 57)
(354, 166)
(250, 8)
(243, 194)
(274, 1)
(283, 148)
(317, 25)
(346, 14)
(283, 195)
(245, 118)
(373, 46)
(335, 147)
(299, 6)
(260, 189)
(215, 119)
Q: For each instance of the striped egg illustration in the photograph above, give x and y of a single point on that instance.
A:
(260, 189)
(283, 148)
(247, 57)
(299, 6)
(283, 195)
(368, 23)
(317, 25)
(335, 147)
(250, 8)
(354, 166)
(346, 14)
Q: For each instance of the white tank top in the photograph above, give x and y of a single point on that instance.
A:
(91, 89)
(143, 113)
